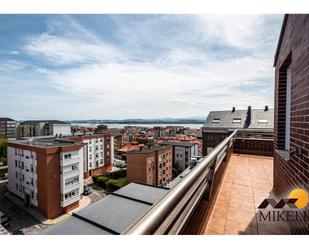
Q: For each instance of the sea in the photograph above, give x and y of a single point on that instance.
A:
(120, 126)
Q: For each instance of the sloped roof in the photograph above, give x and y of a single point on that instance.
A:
(226, 118)
(6, 119)
(259, 119)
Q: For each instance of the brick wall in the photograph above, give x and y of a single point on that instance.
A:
(256, 146)
(293, 171)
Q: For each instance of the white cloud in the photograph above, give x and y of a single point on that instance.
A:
(61, 50)
(179, 78)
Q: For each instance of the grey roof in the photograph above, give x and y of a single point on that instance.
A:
(260, 114)
(180, 143)
(6, 119)
(112, 214)
(148, 150)
(46, 142)
(226, 118)
(253, 121)
(43, 121)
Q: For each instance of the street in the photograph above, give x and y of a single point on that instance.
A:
(20, 221)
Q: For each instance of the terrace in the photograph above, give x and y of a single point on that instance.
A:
(219, 196)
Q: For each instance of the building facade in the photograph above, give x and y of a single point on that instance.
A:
(7, 128)
(98, 153)
(47, 174)
(151, 166)
(291, 136)
(219, 124)
(38, 128)
(182, 153)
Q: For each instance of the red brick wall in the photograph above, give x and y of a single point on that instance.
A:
(295, 171)
(256, 147)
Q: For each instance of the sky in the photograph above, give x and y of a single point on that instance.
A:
(135, 66)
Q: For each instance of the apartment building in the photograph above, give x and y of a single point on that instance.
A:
(151, 166)
(7, 128)
(291, 136)
(219, 124)
(38, 128)
(182, 153)
(98, 153)
(47, 174)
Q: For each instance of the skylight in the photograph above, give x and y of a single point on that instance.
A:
(236, 120)
(216, 120)
(263, 121)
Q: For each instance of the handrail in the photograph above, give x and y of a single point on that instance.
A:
(151, 221)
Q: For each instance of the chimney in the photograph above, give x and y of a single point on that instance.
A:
(248, 119)
(266, 108)
(233, 109)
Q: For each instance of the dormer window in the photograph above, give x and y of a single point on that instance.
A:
(263, 121)
(236, 120)
(216, 120)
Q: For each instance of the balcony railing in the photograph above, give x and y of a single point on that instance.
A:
(171, 213)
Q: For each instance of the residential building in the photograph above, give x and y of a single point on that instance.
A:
(47, 174)
(98, 153)
(7, 128)
(182, 153)
(219, 124)
(37, 128)
(291, 135)
(151, 166)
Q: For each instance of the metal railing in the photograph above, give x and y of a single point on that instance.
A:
(170, 214)
(255, 134)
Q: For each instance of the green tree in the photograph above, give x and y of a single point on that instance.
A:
(3, 150)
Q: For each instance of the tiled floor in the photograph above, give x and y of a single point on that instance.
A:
(246, 183)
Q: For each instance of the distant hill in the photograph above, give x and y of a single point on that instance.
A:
(140, 121)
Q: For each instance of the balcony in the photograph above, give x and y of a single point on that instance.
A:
(220, 195)
(248, 180)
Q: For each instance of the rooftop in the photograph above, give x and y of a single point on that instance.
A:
(45, 142)
(6, 119)
(43, 121)
(113, 214)
(180, 143)
(148, 150)
(241, 119)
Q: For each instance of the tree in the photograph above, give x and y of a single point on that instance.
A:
(3, 149)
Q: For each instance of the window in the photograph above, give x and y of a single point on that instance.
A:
(71, 194)
(288, 111)
(71, 181)
(284, 108)
(16, 186)
(236, 120)
(32, 195)
(22, 165)
(74, 167)
(23, 178)
(16, 174)
(67, 156)
(15, 163)
(216, 120)
(32, 183)
(31, 168)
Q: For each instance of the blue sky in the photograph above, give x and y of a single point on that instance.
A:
(135, 66)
